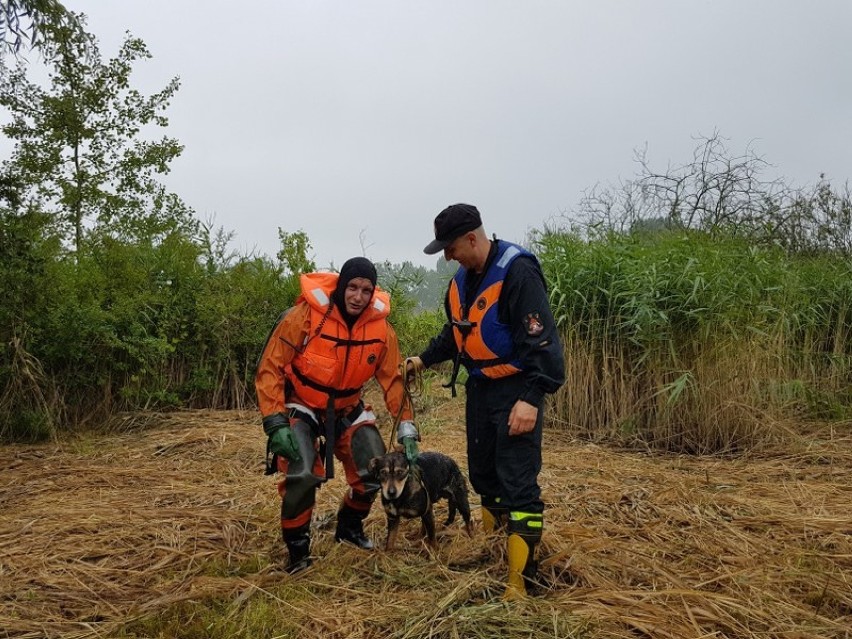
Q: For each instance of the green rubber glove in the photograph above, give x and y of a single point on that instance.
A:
(408, 436)
(282, 439)
(283, 442)
(409, 445)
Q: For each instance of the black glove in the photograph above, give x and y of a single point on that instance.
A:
(282, 439)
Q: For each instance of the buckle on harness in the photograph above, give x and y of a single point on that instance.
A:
(350, 418)
(465, 326)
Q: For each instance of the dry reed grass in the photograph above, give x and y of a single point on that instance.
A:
(138, 534)
(723, 398)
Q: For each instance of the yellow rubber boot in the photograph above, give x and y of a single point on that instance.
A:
(494, 525)
(494, 515)
(489, 521)
(524, 530)
(519, 554)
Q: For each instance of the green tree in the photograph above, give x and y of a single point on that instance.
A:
(424, 287)
(25, 21)
(79, 152)
(293, 255)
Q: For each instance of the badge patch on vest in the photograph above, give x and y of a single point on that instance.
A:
(534, 325)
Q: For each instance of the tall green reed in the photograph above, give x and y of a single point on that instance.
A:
(697, 344)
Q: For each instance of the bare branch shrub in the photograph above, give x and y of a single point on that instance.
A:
(723, 194)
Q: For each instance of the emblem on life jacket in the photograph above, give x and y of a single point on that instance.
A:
(534, 325)
(480, 303)
(371, 358)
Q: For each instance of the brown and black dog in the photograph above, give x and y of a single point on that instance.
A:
(410, 491)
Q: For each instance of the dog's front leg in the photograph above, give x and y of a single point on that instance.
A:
(393, 529)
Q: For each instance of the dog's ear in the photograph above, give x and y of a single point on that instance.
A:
(373, 465)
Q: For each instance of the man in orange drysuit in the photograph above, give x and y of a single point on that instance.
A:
(309, 380)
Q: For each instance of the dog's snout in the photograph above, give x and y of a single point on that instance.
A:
(391, 492)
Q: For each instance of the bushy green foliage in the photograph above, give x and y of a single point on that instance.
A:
(28, 247)
(128, 326)
(236, 311)
(416, 329)
(294, 253)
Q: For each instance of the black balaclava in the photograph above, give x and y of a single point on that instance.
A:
(352, 268)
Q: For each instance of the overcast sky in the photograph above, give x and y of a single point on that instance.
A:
(358, 121)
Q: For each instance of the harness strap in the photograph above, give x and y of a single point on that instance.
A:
(328, 390)
(452, 383)
(465, 328)
(348, 419)
(330, 431)
(350, 342)
(414, 471)
(469, 362)
(330, 419)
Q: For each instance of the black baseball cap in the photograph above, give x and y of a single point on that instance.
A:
(451, 223)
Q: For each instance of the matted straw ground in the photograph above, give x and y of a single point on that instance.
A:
(158, 530)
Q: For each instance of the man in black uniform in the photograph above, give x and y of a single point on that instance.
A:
(501, 328)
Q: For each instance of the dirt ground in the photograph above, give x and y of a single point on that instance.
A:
(98, 531)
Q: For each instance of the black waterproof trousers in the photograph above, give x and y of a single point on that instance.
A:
(503, 469)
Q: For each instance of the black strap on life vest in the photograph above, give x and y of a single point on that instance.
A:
(469, 362)
(330, 430)
(350, 342)
(330, 420)
(328, 390)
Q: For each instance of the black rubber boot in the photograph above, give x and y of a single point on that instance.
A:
(350, 528)
(530, 572)
(298, 545)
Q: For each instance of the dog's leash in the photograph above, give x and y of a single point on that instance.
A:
(412, 386)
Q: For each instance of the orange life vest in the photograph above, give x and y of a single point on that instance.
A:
(485, 343)
(336, 359)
